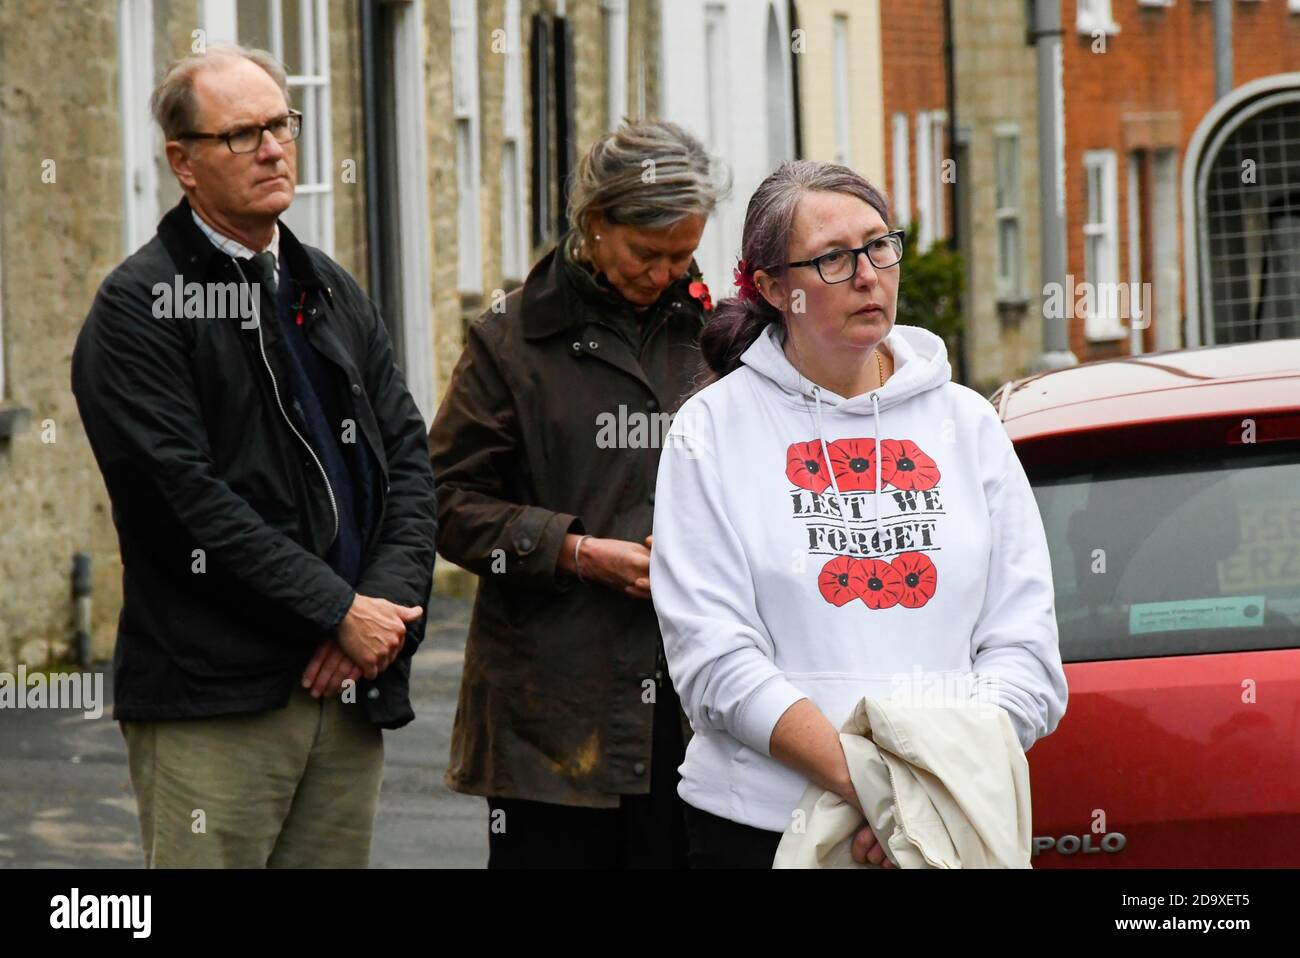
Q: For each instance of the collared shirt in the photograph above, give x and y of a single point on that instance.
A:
(235, 248)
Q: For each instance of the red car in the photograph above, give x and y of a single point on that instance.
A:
(1169, 486)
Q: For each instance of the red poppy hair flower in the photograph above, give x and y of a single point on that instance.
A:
(904, 466)
(806, 467)
(854, 464)
(842, 580)
(699, 290)
(884, 586)
(919, 578)
(743, 275)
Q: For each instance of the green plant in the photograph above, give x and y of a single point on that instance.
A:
(930, 287)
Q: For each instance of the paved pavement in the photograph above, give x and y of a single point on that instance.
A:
(66, 800)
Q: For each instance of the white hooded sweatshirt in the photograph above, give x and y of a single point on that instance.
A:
(812, 546)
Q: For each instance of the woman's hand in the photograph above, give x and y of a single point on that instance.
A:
(805, 740)
(866, 848)
(613, 563)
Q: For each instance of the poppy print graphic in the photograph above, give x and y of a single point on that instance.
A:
(842, 580)
(884, 586)
(919, 578)
(904, 466)
(805, 466)
(839, 510)
(854, 464)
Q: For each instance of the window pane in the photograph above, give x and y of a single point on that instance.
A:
(1013, 244)
(293, 22)
(309, 139)
(1200, 555)
(254, 23)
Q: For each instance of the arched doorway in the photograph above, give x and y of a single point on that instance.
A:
(1242, 243)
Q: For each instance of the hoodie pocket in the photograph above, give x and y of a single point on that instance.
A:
(837, 694)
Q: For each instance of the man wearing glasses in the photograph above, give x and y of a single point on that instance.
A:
(272, 494)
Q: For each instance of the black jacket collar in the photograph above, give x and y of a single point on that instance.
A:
(195, 255)
(554, 299)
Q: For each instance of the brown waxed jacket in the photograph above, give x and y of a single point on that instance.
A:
(552, 423)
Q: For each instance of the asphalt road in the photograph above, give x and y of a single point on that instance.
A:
(66, 800)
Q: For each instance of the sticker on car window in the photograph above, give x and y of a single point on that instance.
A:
(1228, 612)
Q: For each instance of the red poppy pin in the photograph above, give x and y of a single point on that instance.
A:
(700, 290)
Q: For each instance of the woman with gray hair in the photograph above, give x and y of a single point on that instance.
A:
(838, 521)
(545, 451)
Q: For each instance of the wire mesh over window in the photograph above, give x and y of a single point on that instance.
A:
(1252, 227)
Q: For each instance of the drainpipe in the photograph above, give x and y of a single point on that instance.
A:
(1045, 34)
(370, 138)
(81, 589)
(954, 204)
(1222, 48)
(797, 100)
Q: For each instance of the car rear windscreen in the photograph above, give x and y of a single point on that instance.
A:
(1187, 556)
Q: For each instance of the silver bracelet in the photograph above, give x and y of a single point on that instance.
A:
(577, 570)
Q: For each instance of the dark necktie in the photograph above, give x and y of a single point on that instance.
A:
(263, 267)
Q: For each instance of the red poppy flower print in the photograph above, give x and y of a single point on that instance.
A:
(854, 464)
(700, 291)
(805, 466)
(919, 578)
(884, 586)
(842, 580)
(904, 466)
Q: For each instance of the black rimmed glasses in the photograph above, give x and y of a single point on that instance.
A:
(839, 265)
(246, 139)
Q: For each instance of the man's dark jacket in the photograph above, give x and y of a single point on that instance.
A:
(223, 514)
(526, 448)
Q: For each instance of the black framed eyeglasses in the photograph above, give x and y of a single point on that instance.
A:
(839, 265)
(247, 139)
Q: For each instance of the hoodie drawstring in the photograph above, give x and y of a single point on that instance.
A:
(826, 457)
(875, 408)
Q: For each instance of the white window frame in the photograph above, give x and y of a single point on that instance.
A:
(514, 215)
(841, 95)
(929, 177)
(469, 168)
(924, 184)
(1009, 276)
(616, 43)
(1094, 15)
(409, 55)
(311, 217)
(1134, 193)
(1101, 322)
(1155, 3)
(141, 141)
(3, 394)
(715, 245)
(901, 148)
(776, 78)
(938, 128)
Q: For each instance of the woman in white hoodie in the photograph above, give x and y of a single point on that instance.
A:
(835, 519)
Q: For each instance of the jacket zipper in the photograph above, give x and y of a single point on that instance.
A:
(275, 388)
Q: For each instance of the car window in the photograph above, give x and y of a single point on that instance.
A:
(1191, 555)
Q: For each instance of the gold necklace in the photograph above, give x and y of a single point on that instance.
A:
(880, 366)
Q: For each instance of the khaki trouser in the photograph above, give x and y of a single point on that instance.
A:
(291, 788)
